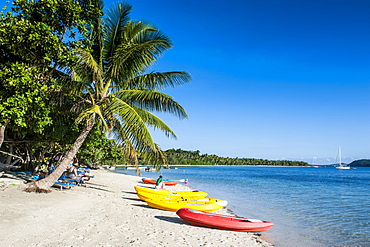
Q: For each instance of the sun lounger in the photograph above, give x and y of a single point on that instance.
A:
(63, 185)
(67, 180)
(88, 176)
(23, 173)
(83, 169)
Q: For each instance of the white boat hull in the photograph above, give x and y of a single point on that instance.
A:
(343, 167)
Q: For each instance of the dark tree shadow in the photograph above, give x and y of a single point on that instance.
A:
(172, 219)
(143, 206)
(132, 199)
(129, 192)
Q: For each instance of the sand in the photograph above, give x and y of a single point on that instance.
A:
(107, 213)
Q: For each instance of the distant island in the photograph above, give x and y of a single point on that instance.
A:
(183, 157)
(360, 163)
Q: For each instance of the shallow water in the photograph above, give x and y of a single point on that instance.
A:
(309, 206)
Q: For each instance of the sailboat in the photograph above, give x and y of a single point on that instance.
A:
(312, 163)
(340, 165)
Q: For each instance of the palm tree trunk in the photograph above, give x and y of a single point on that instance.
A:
(43, 185)
(2, 131)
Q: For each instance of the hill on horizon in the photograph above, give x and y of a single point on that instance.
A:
(360, 163)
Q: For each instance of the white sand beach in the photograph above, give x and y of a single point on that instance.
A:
(108, 213)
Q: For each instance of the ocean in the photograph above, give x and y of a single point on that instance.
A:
(308, 206)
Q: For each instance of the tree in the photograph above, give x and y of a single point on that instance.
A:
(100, 150)
(114, 92)
(36, 42)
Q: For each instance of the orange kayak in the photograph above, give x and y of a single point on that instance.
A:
(166, 183)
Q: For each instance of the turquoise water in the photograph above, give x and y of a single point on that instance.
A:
(309, 206)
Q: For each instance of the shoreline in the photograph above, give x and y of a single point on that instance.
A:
(107, 213)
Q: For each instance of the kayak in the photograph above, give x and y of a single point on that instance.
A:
(151, 197)
(177, 195)
(175, 206)
(180, 194)
(224, 222)
(165, 182)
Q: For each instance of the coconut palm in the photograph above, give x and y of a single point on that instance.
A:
(114, 92)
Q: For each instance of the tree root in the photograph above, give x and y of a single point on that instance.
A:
(32, 187)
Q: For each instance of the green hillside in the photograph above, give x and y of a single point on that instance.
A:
(182, 157)
(360, 163)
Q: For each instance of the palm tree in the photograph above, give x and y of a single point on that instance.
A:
(114, 92)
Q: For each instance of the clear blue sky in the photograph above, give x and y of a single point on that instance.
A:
(271, 79)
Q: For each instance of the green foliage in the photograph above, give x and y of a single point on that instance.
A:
(182, 157)
(34, 50)
(73, 16)
(24, 97)
(58, 56)
(99, 150)
(36, 46)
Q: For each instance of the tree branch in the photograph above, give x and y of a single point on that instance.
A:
(12, 155)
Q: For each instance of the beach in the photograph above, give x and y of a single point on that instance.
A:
(106, 213)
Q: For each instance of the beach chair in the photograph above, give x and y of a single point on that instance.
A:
(87, 176)
(63, 185)
(85, 172)
(64, 179)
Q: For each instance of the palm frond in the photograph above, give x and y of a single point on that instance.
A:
(131, 125)
(117, 18)
(159, 80)
(155, 158)
(141, 46)
(89, 73)
(152, 100)
(87, 61)
(84, 115)
(131, 155)
(151, 120)
(96, 37)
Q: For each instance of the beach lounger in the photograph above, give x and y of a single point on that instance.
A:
(83, 169)
(63, 185)
(67, 180)
(23, 173)
(88, 176)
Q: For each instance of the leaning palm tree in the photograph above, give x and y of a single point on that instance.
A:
(114, 92)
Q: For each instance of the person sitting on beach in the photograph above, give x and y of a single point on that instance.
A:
(72, 173)
(159, 183)
(50, 167)
(75, 161)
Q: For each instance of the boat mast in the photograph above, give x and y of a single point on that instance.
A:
(340, 157)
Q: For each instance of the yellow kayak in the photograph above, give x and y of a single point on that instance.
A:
(147, 196)
(175, 206)
(171, 194)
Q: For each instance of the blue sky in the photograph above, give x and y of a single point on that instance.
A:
(271, 79)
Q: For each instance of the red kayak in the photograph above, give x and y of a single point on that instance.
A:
(166, 183)
(224, 222)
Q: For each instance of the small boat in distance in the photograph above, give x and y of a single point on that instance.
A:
(340, 165)
(312, 163)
